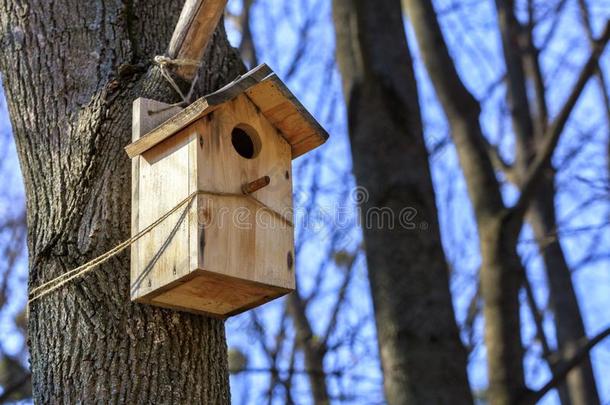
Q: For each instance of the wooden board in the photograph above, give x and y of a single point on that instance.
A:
(167, 175)
(241, 238)
(146, 115)
(268, 93)
(216, 295)
(195, 27)
(287, 114)
(221, 169)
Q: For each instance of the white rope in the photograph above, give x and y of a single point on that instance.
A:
(164, 62)
(64, 278)
(59, 281)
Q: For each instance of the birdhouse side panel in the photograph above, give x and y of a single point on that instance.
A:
(146, 115)
(167, 175)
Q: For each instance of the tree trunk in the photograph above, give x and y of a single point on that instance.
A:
(422, 356)
(579, 387)
(501, 268)
(313, 351)
(569, 326)
(501, 273)
(71, 70)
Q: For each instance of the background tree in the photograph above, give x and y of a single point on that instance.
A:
(522, 64)
(422, 356)
(499, 225)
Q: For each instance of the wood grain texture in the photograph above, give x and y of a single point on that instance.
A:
(169, 127)
(166, 177)
(195, 27)
(146, 115)
(286, 113)
(223, 170)
(227, 252)
(244, 260)
(215, 295)
(245, 240)
(268, 93)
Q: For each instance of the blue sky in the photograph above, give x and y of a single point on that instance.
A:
(582, 202)
(474, 43)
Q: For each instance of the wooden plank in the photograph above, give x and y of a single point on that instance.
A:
(193, 222)
(245, 241)
(268, 93)
(239, 85)
(143, 120)
(165, 178)
(221, 169)
(163, 130)
(286, 113)
(206, 293)
(148, 114)
(195, 27)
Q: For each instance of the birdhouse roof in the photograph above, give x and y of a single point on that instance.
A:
(267, 92)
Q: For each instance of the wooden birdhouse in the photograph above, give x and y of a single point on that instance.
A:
(225, 160)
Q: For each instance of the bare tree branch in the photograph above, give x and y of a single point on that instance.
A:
(499, 163)
(340, 299)
(532, 64)
(311, 346)
(551, 138)
(247, 49)
(517, 98)
(584, 11)
(460, 106)
(564, 368)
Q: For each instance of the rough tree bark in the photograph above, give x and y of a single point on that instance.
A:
(71, 70)
(422, 356)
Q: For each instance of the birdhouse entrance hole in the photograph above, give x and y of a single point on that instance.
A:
(245, 140)
(230, 247)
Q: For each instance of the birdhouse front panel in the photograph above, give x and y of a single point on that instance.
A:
(243, 146)
(222, 169)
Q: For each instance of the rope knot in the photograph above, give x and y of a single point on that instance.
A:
(165, 61)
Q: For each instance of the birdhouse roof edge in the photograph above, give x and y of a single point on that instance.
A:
(265, 90)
